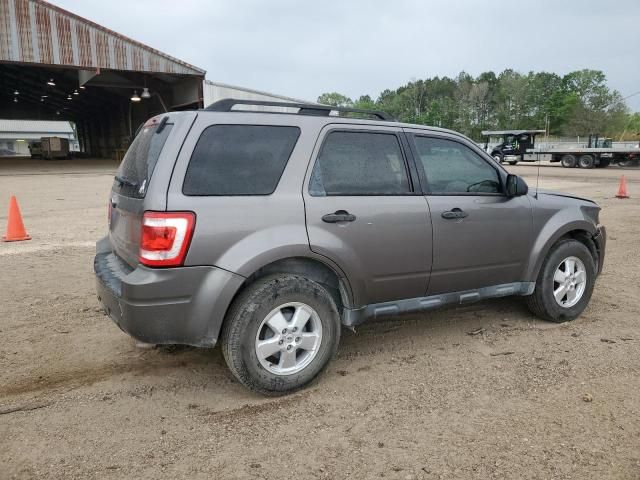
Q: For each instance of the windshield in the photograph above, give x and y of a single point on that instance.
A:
(133, 177)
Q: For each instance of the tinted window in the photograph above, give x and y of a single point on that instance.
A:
(239, 160)
(139, 162)
(358, 163)
(452, 168)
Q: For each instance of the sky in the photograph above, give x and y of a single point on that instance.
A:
(304, 48)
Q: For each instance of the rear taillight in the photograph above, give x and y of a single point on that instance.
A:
(165, 238)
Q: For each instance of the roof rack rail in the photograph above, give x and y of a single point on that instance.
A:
(227, 105)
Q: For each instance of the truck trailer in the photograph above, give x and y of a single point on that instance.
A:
(54, 147)
(519, 145)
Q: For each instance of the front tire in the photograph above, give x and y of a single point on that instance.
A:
(565, 282)
(498, 157)
(280, 333)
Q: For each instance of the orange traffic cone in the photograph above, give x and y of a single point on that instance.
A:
(15, 227)
(622, 191)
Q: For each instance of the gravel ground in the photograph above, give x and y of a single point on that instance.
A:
(416, 398)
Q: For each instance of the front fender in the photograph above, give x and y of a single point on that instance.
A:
(550, 229)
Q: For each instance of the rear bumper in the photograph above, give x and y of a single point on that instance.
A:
(183, 305)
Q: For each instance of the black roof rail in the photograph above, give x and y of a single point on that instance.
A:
(227, 105)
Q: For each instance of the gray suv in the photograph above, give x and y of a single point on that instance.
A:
(266, 232)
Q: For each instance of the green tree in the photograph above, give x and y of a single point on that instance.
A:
(577, 104)
(335, 99)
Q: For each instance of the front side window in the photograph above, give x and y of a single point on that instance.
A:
(359, 163)
(239, 160)
(452, 168)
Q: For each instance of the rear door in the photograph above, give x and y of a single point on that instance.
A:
(364, 211)
(481, 237)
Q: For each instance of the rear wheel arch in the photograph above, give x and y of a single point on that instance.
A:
(335, 284)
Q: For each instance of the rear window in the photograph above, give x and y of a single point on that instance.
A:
(239, 160)
(134, 174)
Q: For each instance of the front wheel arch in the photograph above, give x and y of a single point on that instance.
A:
(582, 231)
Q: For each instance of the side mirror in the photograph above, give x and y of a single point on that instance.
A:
(516, 186)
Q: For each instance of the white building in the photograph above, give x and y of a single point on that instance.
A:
(16, 135)
(213, 91)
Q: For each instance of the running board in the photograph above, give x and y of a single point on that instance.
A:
(353, 317)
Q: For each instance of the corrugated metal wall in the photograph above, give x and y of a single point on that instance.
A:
(33, 31)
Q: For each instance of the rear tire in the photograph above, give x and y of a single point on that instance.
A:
(559, 297)
(276, 362)
(568, 161)
(586, 161)
(513, 162)
(498, 158)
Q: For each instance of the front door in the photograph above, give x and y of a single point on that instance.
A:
(366, 213)
(481, 237)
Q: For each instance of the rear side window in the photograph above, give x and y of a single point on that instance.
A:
(239, 160)
(138, 164)
(359, 163)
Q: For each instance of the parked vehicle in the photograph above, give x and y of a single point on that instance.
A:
(265, 232)
(513, 146)
(519, 146)
(35, 149)
(54, 147)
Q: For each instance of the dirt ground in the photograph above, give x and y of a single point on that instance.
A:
(416, 398)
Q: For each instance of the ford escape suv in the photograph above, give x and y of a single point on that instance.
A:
(266, 232)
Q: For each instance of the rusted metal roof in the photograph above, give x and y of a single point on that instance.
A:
(34, 31)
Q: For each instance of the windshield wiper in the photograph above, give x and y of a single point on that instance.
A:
(126, 181)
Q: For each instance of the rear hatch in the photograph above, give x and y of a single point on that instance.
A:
(130, 186)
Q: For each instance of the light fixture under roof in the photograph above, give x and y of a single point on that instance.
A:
(82, 87)
(51, 83)
(145, 93)
(44, 96)
(75, 92)
(69, 97)
(16, 92)
(15, 99)
(135, 97)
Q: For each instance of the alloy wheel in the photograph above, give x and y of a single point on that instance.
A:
(288, 338)
(569, 282)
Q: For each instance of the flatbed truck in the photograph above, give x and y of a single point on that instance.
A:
(519, 145)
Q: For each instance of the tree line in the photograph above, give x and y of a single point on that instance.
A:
(576, 104)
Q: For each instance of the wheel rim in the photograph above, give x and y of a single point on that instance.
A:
(569, 282)
(497, 158)
(288, 338)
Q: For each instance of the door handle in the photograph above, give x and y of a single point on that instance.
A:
(454, 213)
(338, 216)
